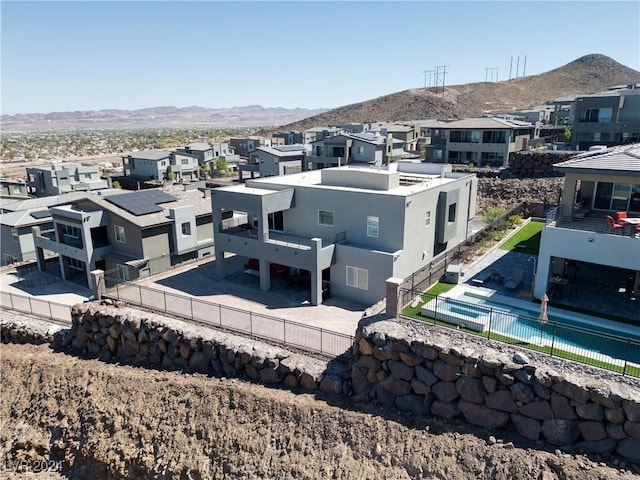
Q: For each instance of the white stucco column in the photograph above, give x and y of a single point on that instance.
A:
(316, 273)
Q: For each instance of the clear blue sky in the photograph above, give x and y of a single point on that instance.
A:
(63, 56)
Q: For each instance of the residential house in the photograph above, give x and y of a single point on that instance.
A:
(18, 219)
(348, 228)
(13, 189)
(16, 236)
(480, 141)
(562, 111)
(596, 184)
(358, 148)
(208, 152)
(320, 133)
(409, 133)
(62, 177)
(245, 146)
(291, 138)
(279, 160)
(129, 234)
(607, 118)
(161, 165)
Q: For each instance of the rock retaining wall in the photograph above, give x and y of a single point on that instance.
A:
(491, 388)
(140, 338)
(536, 164)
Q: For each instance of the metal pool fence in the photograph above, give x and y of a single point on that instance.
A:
(256, 325)
(584, 345)
(36, 306)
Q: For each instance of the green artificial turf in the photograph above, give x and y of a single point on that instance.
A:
(528, 237)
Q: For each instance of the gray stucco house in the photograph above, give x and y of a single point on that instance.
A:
(481, 141)
(272, 161)
(60, 178)
(608, 118)
(157, 165)
(349, 227)
(354, 148)
(129, 234)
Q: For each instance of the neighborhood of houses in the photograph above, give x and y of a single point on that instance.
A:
(343, 208)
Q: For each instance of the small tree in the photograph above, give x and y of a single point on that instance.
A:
(221, 164)
(206, 169)
(491, 214)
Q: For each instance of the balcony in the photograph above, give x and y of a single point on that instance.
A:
(327, 161)
(291, 250)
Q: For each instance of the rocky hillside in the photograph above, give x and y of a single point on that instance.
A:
(89, 419)
(588, 74)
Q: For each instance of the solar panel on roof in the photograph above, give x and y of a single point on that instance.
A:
(40, 214)
(141, 203)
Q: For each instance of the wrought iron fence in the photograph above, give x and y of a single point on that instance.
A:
(256, 325)
(36, 306)
(612, 352)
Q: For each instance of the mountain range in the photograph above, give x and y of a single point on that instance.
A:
(588, 74)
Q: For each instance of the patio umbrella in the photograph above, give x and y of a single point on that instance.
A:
(543, 309)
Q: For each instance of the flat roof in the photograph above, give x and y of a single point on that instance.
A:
(410, 182)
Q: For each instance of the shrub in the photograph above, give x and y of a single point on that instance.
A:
(491, 214)
(497, 235)
(116, 184)
(514, 220)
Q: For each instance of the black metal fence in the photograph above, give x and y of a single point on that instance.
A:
(425, 277)
(584, 345)
(285, 332)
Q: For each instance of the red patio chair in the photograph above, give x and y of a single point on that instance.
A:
(620, 215)
(613, 226)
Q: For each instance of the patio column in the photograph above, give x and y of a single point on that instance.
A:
(316, 272)
(636, 287)
(393, 306)
(218, 251)
(265, 275)
(97, 283)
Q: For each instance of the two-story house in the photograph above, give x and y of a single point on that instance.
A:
(245, 146)
(272, 161)
(60, 178)
(608, 118)
(596, 184)
(480, 141)
(208, 152)
(354, 148)
(128, 234)
(161, 165)
(13, 189)
(353, 227)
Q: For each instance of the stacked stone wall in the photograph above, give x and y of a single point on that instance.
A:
(493, 388)
(536, 164)
(136, 337)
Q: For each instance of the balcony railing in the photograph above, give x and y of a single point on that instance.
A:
(587, 224)
(295, 241)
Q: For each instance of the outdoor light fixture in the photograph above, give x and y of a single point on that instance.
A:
(590, 239)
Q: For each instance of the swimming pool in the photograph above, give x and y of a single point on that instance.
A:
(484, 311)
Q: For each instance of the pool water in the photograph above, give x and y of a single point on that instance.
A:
(589, 336)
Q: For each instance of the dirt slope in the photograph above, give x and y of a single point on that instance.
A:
(107, 421)
(588, 74)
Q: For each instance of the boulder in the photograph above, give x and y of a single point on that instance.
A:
(561, 407)
(400, 370)
(501, 400)
(629, 448)
(592, 431)
(606, 445)
(615, 431)
(560, 432)
(540, 410)
(482, 416)
(425, 375)
(527, 427)
(446, 372)
(330, 383)
(396, 386)
(444, 409)
(470, 389)
(359, 381)
(632, 429)
(632, 409)
(522, 392)
(590, 411)
(445, 391)
(412, 403)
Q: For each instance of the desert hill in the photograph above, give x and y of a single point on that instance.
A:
(588, 74)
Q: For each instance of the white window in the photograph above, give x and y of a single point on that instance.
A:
(15, 235)
(427, 219)
(123, 272)
(120, 234)
(186, 228)
(325, 217)
(360, 150)
(71, 231)
(358, 277)
(185, 161)
(373, 224)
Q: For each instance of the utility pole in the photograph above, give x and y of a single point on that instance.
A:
(517, 66)
(440, 75)
(524, 68)
(510, 67)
